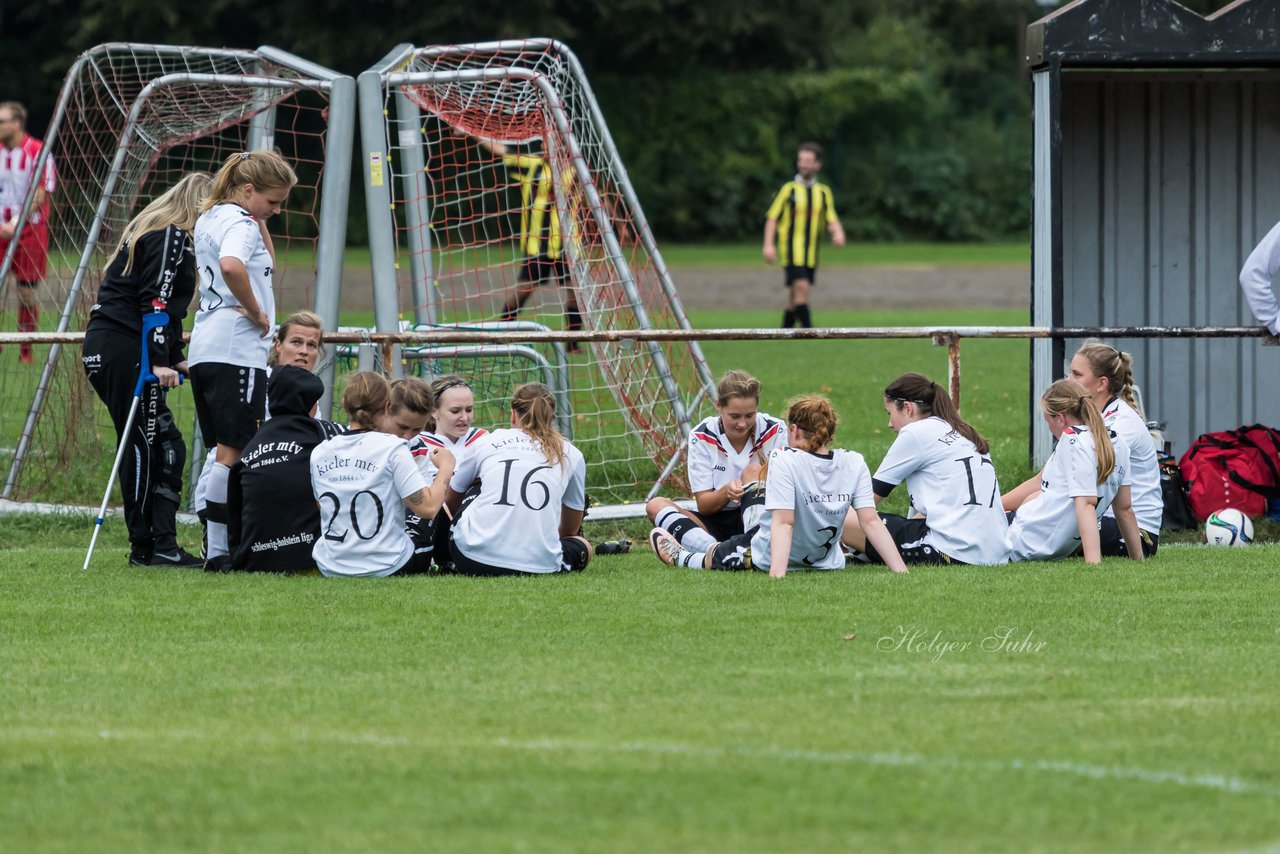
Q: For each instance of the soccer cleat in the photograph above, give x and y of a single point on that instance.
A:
(666, 547)
(218, 563)
(613, 547)
(176, 558)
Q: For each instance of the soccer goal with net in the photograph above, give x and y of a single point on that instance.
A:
(130, 120)
(497, 200)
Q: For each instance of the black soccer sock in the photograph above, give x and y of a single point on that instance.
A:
(788, 319)
(509, 312)
(802, 315)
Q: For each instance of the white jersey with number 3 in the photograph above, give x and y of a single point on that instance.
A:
(953, 486)
(360, 481)
(1045, 526)
(220, 333)
(819, 489)
(514, 522)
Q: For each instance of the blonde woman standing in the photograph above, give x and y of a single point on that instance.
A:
(231, 337)
(153, 270)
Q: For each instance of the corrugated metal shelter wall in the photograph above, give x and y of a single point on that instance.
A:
(1168, 180)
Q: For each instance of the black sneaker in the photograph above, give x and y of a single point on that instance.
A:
(140, 555)
(177, 558)
(217, 563)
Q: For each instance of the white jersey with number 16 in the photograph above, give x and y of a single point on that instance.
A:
(514, 522)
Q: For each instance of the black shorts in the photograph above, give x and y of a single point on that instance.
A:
(795, 273)
(575, 558)
(722, 525)
(231, 402)
(540, 268)
(734, 554)
(908, 535)
(1113, 544)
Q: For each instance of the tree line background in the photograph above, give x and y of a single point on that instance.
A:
(923, 105)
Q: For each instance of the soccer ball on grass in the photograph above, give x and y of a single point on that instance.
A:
(1228, 527)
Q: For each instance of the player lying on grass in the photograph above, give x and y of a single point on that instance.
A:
(809, 491)
(1107, 375)
(955, 514)
(1087, 472)
(448, 426)
(724, 456)
(526, 517)
(360, 479)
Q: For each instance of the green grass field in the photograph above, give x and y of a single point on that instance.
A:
(638, 708)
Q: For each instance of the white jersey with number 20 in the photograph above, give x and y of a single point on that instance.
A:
(360, 481)
(514, 522)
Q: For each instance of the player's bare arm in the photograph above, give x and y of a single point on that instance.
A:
(236, 276)
(780, 542)
(770, 241)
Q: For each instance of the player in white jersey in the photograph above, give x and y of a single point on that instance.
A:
(360, 480)
(230, 338)
(724, 459)
(809, 492)
(449, 426)
(1107, 374)
(954, 513)
(527, 516)
(1087, 472)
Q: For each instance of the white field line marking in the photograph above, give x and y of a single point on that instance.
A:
(1204, 780)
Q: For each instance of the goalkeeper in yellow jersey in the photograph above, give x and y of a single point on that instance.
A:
(793, 229)
(540, 236)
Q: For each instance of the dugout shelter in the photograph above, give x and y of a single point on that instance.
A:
(1155, 174)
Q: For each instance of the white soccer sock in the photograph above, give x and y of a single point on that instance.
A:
(684, 529)
(693, 560)
(200, 498)
(216, 496)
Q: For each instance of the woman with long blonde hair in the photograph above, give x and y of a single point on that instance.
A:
(1087, 472)
(152, 270)
(230, 339)
(527, 516)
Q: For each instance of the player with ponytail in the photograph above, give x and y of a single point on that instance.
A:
(810, 492)
(1107, 374)
(1087, 472)
(724, 458)
(526, 517)
(360, 479)
(955, 515)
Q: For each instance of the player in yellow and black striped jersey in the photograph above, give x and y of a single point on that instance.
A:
(800, 212)
(540, 237)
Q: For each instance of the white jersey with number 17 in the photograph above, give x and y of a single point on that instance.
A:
(220, 333)
(514, 522)
(953, 486)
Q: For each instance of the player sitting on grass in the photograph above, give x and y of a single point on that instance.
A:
(955, 515)
(527, 516)
(448, 426)
(724, 457)
(1087, 472)
(809, 490)
(360, 478)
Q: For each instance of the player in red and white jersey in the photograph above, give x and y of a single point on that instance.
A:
(1107, 374)
(230, 338)
(19, 151)
(449, 426)
(954, 514)
(360, 480)
(724, 458)
(810, 492)
(1087, 472)
(527, 516)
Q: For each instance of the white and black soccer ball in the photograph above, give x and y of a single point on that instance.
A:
(1228, 527)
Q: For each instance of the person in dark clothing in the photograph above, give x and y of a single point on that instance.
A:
(272, 517)
(153, 270)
